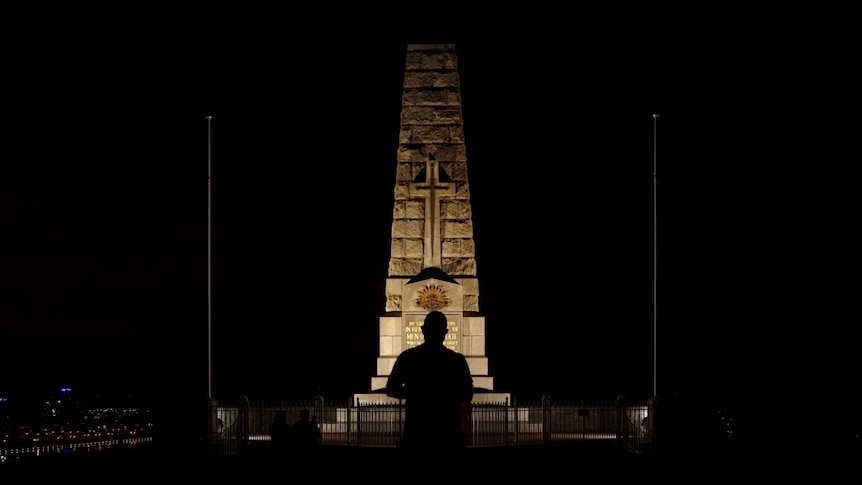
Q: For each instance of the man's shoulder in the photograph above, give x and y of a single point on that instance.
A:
(453, 353)
(409, 352)
(427, 351)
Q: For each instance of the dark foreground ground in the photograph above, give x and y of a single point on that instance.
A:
(590, 460)
(335, 462)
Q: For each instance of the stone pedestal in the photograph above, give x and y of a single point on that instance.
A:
(479, 397)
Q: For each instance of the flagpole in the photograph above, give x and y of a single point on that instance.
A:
(209, 256)
(654, 261)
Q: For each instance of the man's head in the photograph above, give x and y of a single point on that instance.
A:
(435, 327)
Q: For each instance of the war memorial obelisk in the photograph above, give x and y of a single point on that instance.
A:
(432, 263)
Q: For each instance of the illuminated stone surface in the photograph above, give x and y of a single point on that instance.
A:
(432, 263)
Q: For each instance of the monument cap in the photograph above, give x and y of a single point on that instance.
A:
(435, 322)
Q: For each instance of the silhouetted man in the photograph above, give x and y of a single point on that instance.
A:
(306, 434)
(435, 382)
(279, 431)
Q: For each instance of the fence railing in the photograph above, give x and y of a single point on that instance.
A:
(350, 423)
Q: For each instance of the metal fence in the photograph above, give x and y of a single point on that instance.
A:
(356, 423)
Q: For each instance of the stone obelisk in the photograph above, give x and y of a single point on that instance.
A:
(432, 264)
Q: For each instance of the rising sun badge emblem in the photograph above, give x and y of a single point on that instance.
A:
(432, 297)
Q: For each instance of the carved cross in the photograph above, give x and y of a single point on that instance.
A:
(432, 189)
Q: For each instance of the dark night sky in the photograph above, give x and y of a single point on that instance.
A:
(103, 208)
